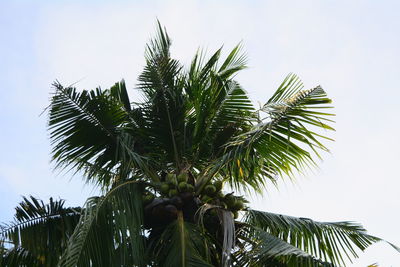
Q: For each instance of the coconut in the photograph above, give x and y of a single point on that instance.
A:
(229, 200)
(218, 185)
(172, 211)
(182, 177)
(183, 186)
(190, 188)
(164, 188)
(238, 204)
(177, 202)
(171, 178)
(210, 189)
(172, 192)
(186, 196)
(158, 212)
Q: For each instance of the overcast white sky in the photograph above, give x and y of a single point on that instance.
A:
(351, 48)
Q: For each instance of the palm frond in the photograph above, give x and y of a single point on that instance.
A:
(269, 250)
(278, 143)
(119, 92)
(109, 230)
(159, 46)
(39, 232)
(182, 244)
(234, 62)
(217, 101)
(164, 103)
(18, 257)
(87, 132)
(325, 240)
(231, 115)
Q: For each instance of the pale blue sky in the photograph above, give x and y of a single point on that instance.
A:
(351, 48)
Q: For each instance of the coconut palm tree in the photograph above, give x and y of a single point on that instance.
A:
(173, 166)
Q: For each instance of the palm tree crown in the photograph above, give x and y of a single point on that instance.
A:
(171, 166)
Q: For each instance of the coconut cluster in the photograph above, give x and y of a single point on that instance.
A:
(175, 184)
(212, 194)
(176, 193)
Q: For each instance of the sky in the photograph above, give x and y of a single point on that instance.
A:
(350, 48)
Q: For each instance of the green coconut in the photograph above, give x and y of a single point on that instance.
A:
(218, 185)
(171, 178)
(164, 188)
(172, 192)
(190, 188)
(238, 204)
(182, 177)
(230, 200)
(210, 189)
(182, 186)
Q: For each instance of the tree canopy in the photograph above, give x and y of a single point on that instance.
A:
(172, 166)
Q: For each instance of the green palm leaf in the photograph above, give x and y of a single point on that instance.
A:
(326, 240)
(269, 250)
(182, 244)
(110, 229)
(88, 131)
(218, 102)
(17, 257)
(39, 232)
(164, 104)
(277, 144)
